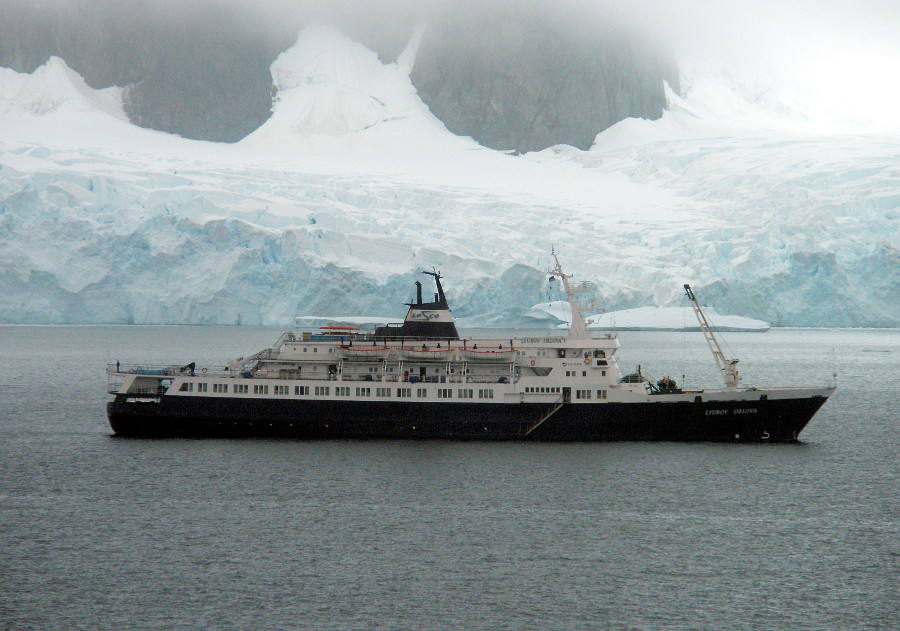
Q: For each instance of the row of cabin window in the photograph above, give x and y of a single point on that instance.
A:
(464, 393)
(403, 393)
(453, 371)
(574, 373)
(545, 390)
(586, 394)
(188, 386)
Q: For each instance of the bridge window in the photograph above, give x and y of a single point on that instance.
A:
(186, 387)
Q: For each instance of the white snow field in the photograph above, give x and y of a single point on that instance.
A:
(352, 186)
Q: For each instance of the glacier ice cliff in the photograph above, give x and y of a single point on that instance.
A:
(103, 221)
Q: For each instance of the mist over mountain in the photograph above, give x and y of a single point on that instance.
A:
(514, 75)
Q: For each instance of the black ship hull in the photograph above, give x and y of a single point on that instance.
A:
(776, 420)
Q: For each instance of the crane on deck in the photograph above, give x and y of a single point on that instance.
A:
(728, 367)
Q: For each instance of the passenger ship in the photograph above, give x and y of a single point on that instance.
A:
(420, 379)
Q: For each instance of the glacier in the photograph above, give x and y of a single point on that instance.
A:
(558, 313)
(352, 187)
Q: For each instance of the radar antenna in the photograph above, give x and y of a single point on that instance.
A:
(728, 367)
(439, 294)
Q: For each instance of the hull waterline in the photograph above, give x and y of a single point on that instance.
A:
(771, 421)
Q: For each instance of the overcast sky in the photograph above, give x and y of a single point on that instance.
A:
(836, 61)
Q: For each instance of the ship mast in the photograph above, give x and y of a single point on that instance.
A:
(728, 367)
(577, 326)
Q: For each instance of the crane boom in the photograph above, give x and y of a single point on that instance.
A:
(728, 367)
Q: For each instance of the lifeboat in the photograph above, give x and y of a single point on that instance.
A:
(426, 353)
(487, 354)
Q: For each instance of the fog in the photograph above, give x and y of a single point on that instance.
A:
(830, 64)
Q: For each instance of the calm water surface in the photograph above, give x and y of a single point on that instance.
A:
(102, 533)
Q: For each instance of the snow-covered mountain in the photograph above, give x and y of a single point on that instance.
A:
(352, 186)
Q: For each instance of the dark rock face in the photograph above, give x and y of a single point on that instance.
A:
(200, 71)
(509, 78)
(523, 82)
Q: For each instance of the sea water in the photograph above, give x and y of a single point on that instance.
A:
(98, 532)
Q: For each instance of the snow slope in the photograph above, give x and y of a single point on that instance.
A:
(56, 89)
(352, 186)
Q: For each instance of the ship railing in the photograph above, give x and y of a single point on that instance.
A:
(370, 378)
(167, 370)
(148, 392)
(116, 375)
(150, 370)
(455, 378)
(486, 379)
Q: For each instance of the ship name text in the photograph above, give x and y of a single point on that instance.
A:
(736, 411)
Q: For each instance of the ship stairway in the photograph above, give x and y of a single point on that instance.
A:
(553, 410)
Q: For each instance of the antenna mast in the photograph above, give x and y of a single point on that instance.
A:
(728, 367)
(577, 326)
